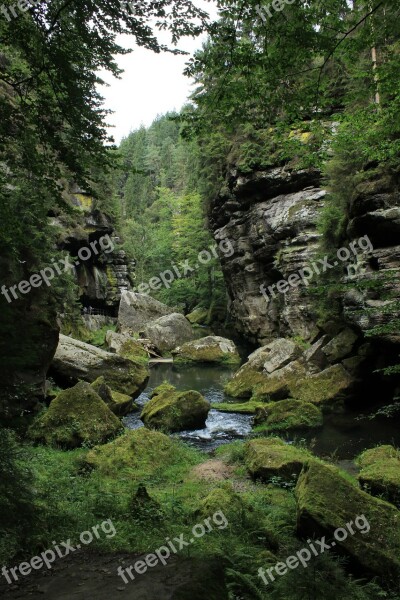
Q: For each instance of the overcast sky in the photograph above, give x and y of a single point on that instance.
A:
(151, 84)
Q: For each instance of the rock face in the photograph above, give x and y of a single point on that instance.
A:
(375, 545)
(380, 472)
(75, 417)
(137, 310)
(267, 458)
(270, 218)
(210, 349)
(166, 333)
(76, 360)
(170, 410)
(106, 273)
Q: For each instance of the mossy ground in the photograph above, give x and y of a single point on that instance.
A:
(245, 408)
(77, 489)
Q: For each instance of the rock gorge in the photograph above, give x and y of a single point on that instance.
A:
(271, 217)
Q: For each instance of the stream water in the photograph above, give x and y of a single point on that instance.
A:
(342, 436)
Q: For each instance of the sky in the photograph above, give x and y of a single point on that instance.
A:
(152, 84)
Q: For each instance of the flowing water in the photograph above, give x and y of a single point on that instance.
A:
(209, 381)
(342, 436)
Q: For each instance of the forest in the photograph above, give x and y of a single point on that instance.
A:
(200, 324)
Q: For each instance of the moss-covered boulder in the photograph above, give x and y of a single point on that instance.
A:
(327, 388)
(170, 410)
(120, 404)
(252, 375)
(280, 384)
(76, 361)
(380, 472)
(327, 500)
(272, 457)
(75, 417)
(288, 415)
(222, 498)
(210, 349)
(140, 452)
(126, 346)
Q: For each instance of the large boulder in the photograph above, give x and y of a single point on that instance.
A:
(328, 501)
(210, 349)
(380, 472)
(288, 415)
(170, 410)
(137, 310)
(166, 333)
(75, 417)
(75, 360)
(272, 457)
(120, 404)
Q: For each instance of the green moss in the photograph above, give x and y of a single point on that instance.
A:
(243, 382)
(141, 453)
(127, 380)
(328, 501)
(77, 416)
(271, 457)
(134, 351)
(120, 404)
(325, 388)
(222, 498)
(169, 410)
(380, 472)
(246, 408)
(287, 415)
(198, 317)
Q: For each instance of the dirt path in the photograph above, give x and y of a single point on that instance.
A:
(213, 470)
(92, 576)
